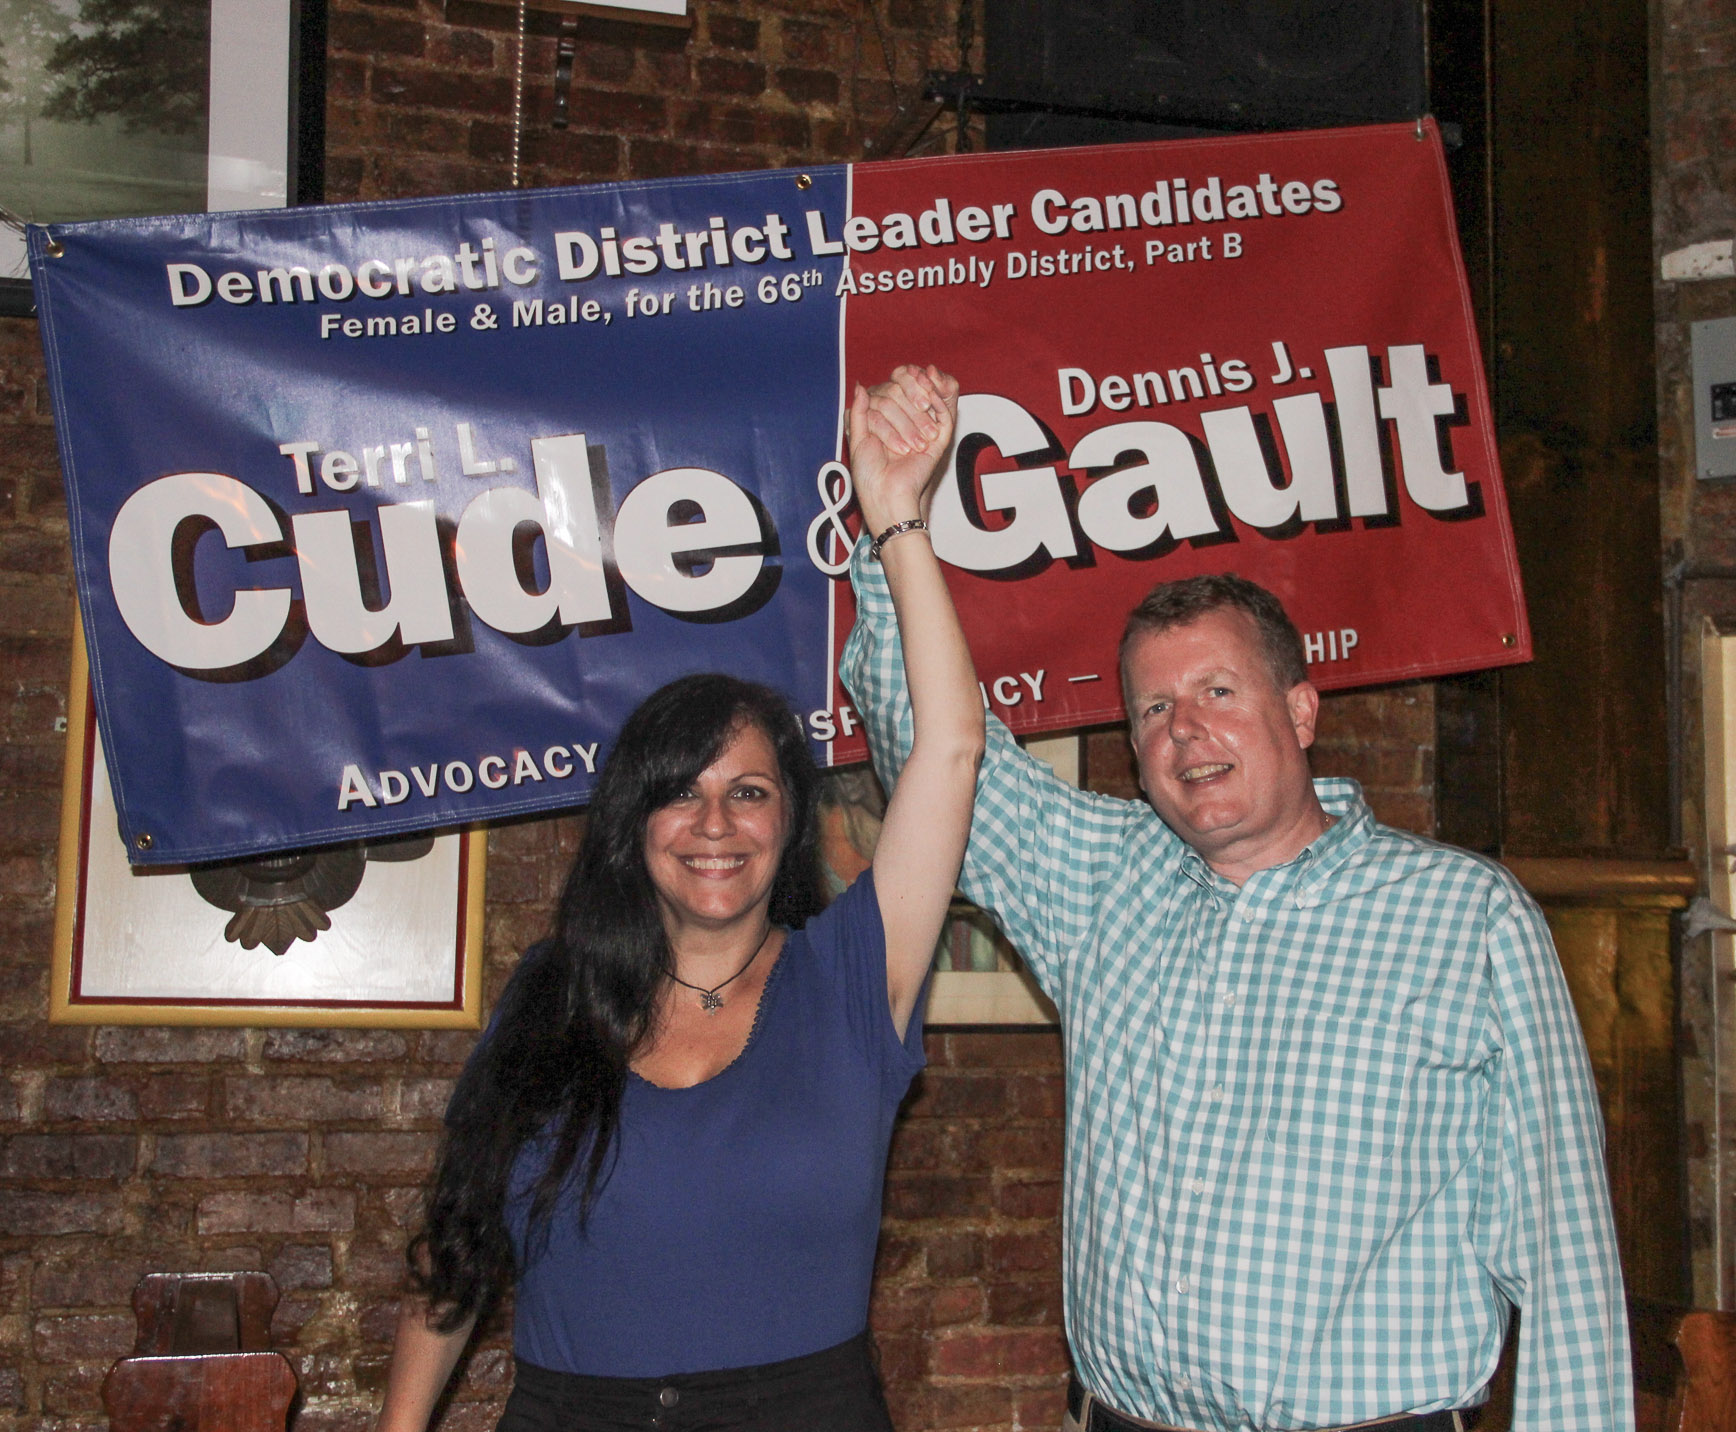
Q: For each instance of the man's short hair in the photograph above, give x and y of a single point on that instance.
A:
(1174, 604)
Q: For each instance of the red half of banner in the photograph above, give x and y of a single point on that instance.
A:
(1253, 355)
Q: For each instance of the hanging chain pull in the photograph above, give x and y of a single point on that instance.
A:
(518, 98)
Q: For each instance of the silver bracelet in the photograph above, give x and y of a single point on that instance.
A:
(897, 529)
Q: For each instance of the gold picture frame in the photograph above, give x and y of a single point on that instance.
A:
(145, 947)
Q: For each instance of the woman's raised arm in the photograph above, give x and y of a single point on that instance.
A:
(900, 432)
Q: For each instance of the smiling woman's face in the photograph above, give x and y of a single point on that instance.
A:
(713, 851)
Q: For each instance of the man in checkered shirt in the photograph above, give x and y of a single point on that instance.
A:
(1329, 1112)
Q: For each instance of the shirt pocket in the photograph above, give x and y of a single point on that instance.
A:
(1340, 1090)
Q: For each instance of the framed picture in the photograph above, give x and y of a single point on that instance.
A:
(376, 935)
(979, 978)
(114, 110)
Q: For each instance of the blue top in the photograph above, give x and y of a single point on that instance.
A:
(738, 1225)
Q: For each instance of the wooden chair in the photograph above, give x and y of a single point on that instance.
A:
(1684, 1367)
(202, 1362)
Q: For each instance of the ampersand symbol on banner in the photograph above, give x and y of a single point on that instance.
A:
(483, 317)
(833, 501)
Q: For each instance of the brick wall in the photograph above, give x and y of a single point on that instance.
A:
(967, 1298)
(420, 98)
(125, 1151)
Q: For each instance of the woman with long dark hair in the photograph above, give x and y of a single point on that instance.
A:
(671, 1140)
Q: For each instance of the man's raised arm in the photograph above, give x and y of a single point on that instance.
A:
(1039, 847)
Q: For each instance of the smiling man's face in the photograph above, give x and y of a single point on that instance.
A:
(1222, 750)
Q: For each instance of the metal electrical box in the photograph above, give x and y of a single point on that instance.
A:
(1713, 374)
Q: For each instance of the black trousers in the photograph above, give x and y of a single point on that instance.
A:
(836, 1389)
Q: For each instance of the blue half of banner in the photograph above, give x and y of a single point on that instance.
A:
(386, 516)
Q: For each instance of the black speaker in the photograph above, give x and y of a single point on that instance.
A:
(1119, 69)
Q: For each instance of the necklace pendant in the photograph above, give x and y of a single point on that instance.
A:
(710, 1001)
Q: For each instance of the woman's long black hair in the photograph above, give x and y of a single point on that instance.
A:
(553, 1063)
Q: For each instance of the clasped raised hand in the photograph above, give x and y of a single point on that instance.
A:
(900, 433)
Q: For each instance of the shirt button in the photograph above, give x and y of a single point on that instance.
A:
(1230, 998)
(1198, 1185)
(1182, 1285)
(669, 1396)
(1185, 1384)
(1215, 1093)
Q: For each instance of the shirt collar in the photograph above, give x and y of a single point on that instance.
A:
(1308, 871)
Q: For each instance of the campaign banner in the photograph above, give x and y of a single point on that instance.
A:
(385, 515)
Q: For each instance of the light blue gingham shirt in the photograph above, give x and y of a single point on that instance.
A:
(1321, 1128)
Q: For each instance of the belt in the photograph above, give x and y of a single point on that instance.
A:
(1100, 1418)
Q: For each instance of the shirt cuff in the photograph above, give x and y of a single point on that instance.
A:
(865, 572)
